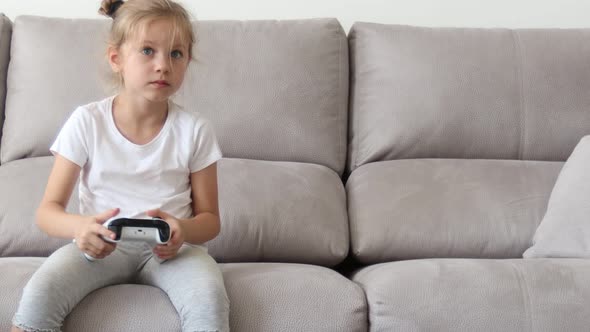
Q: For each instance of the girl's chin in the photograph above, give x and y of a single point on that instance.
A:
(152, 95)
(157, 97)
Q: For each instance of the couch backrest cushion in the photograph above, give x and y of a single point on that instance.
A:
(454, 208)
(22, 184)
(467, 93)
(280, 212)
(55, 65)
(274, 90)
(270, 212)
(5, 35)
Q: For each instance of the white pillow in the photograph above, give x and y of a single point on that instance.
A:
(565, 229)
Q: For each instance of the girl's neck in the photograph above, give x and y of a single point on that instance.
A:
(139, 112)
(139, 120)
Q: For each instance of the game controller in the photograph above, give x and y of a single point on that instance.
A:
(153, 231)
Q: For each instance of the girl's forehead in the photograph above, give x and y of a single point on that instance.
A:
(159, 31)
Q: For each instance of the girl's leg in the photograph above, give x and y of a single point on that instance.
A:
(195, 287)
(63, 280)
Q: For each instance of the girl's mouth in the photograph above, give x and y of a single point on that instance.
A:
(160, 83)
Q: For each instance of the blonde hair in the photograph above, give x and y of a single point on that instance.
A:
(130, 17)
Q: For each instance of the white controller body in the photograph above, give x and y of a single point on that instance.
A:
(143, 233)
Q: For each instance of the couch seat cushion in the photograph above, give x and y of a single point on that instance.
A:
(478, 295)
(263, 296)
(427, 208)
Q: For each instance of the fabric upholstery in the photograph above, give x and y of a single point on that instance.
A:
(565, 230)
(426, 208)
(478, 295)
(421, 92)
(270, 211)
(275, 90)
(22, 186)
(264, 297)
(5, 36)
(292, 297)
(43, 90)
(280, 212)
(288, 104)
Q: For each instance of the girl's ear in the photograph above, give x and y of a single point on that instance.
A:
(114, 56)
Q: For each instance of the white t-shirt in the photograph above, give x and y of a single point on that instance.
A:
(117, 173)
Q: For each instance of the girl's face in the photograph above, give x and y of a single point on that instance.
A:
(152, 66)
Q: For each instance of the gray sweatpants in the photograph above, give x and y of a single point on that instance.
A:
(192, 281)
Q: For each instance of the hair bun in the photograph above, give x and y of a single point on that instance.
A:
(110, 7)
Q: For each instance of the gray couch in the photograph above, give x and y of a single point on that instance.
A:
(388, 180)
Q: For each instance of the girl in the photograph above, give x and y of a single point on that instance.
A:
(138, 155)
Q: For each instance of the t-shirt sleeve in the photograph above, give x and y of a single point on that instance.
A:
(71, 140)
(207, 149)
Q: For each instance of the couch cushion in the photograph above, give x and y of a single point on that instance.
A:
(282, 212)
(263, 297)
(5, 36)
(565, 230)
(424, 208)
(23, 184)
(478, 295)
(270, 211)
(43, 90)
(288, 297)
(274, 90)
(467, 93)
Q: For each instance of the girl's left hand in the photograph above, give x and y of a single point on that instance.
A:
(169, 250)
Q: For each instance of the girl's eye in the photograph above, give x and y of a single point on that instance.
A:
(147, 51)
(176, 54)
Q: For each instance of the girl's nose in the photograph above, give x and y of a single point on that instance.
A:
(162, 64)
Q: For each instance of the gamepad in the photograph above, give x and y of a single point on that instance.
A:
(153, 231)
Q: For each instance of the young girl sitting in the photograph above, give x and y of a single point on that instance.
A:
(138, 155)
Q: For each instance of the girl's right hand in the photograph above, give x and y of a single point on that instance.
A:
(88, 235)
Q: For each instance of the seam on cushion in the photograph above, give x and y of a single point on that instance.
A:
(353, 148)
(4, 22)
(520, 83)
(2, 27)
(362, 286)
(356, 125)
(4, 103)
(343, 103)
(365, 298)
(526, 298)
(7, 26)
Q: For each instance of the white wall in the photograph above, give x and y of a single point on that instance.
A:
(463, 13)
